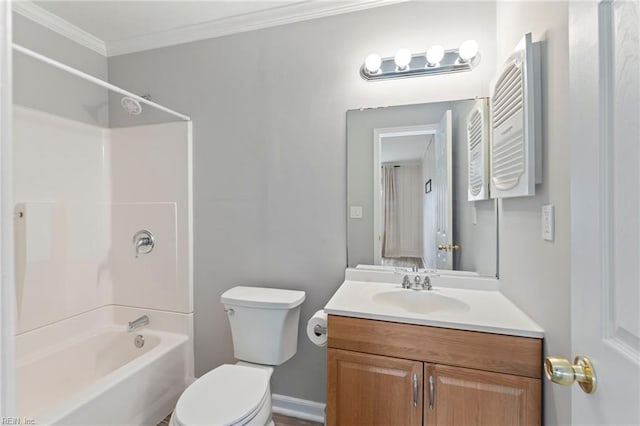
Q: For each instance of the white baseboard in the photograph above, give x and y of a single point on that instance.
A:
(299, 408)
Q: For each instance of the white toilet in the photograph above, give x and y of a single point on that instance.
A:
(264, 326)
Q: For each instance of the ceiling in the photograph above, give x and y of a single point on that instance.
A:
(120, 20)
(118, 27)
(404, 148)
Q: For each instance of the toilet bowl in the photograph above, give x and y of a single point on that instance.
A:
(264, 327)
(228, 395)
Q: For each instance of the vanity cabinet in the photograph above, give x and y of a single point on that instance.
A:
(388, 373)
(371, 389)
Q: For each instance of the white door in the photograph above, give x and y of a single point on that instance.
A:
(442, 191)
(605, 209)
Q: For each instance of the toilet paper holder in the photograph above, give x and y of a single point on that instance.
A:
(319, 330)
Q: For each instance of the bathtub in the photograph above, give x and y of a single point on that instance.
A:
(87, 370)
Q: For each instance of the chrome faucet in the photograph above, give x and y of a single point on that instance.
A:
(406, 282)
(418, 283)
(422, 285)
(138, 323)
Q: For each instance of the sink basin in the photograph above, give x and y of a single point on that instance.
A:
(420, 302)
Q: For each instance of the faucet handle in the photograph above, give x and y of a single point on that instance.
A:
(144, 242)
(406, 282)
(427, 282)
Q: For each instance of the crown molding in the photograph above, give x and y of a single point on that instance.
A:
(55, 23)
(302, 11)
(298, 12)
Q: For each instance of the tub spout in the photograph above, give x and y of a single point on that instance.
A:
(138, 323)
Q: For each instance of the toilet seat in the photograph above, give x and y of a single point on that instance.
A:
(227, 395)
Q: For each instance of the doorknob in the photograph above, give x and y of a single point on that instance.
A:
(561, 371)
(448, 247)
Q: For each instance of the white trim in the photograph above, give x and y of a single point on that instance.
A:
(95, 80)
(301, 11)
(298, 408)
(190, 250)
(63, 27)
(7, 281)
(378, 134)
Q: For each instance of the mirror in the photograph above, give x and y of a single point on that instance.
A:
(407, 191)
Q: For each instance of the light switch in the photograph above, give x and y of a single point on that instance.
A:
(548, 222)
(356, 212)
(474, 215)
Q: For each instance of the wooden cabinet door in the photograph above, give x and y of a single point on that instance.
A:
(365, 389)
(462, 396)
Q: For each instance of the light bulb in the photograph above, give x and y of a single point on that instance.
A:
(402, 58)
(372, 63)
(435, 55)
(468, 50)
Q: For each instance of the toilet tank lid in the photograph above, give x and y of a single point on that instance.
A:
(262, 297)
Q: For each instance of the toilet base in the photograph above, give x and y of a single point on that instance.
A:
(269, 423)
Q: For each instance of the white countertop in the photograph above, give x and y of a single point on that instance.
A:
(486, 310)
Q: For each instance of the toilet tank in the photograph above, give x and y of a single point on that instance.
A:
(264, 323)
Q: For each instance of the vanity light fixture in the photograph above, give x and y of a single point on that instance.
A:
(434, 55)
(436, 60)
(468, 50)
(372, 63)
(402, 59)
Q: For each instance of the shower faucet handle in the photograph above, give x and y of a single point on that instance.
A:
(144, 242)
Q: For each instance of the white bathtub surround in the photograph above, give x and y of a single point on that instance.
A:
(82, 192)
(151, 189)
(149, 280)
(87, 370)
(62, 193)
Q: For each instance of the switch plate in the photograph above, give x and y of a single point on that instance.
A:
(356, 212)
(474, 215)
(548, 222)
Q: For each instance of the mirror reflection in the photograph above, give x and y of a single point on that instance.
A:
(408, 191)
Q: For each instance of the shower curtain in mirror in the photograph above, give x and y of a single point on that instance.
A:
(402, 211)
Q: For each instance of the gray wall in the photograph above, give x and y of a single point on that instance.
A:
(477, 242)
(534, 273)
(42, 87)
(268, 109)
